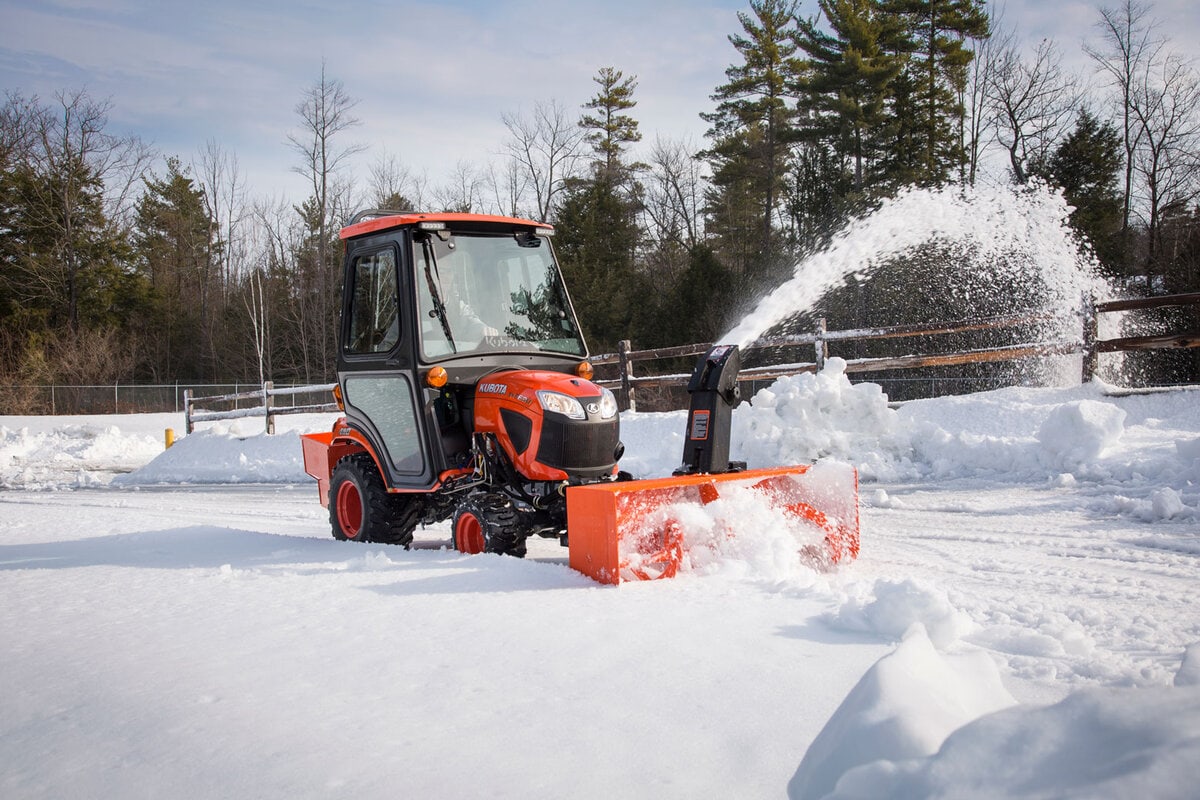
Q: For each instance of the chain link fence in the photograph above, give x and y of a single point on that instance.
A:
(126, 398)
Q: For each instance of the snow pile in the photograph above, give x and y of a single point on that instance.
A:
(802, 418)
(1076, 434)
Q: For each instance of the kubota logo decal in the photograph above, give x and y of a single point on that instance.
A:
(493, 388)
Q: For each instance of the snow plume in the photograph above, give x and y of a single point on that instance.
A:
(1017, 234)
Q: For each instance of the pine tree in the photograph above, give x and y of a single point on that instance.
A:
(178, 253)
(845, 85)
(926, 96)
(609, 130)
(597, 238)
(1087, 164)
(753, 127)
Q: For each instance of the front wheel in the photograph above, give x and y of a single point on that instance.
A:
(360, 508)
(487, 523)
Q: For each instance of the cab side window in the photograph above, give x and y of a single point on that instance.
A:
(375, 304)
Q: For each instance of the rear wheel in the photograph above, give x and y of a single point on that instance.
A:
(488, 523)
(360, 508)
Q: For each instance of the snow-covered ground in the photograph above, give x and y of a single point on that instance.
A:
(181, 623)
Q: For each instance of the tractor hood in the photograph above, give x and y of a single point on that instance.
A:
(552, 426)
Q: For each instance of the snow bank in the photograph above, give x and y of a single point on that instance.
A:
(75, 453)
(924, 724)
(1077, 438)
(218, 455)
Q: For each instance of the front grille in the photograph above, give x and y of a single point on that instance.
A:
(584, 447)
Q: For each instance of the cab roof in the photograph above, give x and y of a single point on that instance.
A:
(482, 221)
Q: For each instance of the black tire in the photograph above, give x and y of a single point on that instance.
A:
(488, 523)
(360, 508)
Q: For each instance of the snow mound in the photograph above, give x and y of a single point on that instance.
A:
(1189, 670)
(904, 707)
(1097, 743)
(218, 455)
(1077, 433)
(802, 418)
(897, 605)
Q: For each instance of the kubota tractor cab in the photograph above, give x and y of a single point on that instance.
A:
(465, 384)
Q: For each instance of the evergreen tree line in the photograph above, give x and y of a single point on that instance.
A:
(118, 267)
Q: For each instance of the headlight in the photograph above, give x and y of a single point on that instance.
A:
(561, 404)
(608, 404)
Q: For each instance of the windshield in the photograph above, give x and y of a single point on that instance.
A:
(479, 293)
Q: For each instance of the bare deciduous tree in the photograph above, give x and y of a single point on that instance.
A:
(976, 116)
(225, 195)
(1128, 45)
(546, 145)
(674, 193)
(392, 185)
(462, 191)
(1032, 102)
(508, 186)
(325, 114)
(1165, 103)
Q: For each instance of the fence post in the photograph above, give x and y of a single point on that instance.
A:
(188, 425)
(268, 404)
(1091, 328)
(820, 345)
(628, 402)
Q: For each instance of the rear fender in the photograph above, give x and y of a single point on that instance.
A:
(323, 451)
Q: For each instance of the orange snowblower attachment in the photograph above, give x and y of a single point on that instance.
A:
(641, 530)
(637, 530)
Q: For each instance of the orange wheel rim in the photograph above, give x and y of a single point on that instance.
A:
(349, 510)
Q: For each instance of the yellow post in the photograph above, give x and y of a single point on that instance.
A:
(169, 436)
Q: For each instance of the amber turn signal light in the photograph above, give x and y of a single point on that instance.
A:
(337, 397)
(584, 370)
(437, 377)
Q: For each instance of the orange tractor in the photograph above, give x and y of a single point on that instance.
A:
(468, 396)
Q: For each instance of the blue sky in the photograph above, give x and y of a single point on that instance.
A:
(432, 79)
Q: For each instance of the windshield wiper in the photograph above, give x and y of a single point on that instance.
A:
(439, 308)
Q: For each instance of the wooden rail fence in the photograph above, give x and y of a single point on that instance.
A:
(1089, 345)
(267, 408)
(820, 339)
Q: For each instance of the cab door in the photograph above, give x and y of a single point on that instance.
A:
(376, 359)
